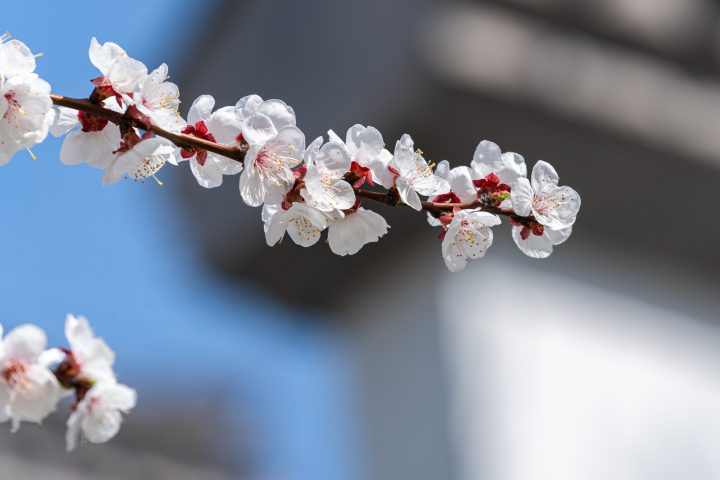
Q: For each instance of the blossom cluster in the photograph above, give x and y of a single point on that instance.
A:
(307, 188)
(34, 379)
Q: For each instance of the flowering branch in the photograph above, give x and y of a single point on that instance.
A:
(238, 154)
(179, 139)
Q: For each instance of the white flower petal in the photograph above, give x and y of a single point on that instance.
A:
(543, 174)
(535, 246)
(66, 120)
(25, 342)
(408, 194)
(208, 175)
(522, 195)
(280, 113)
(201, 109)
(348, 235)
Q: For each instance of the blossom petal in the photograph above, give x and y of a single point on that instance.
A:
(208, 175)
(280, 113)
(200, 109)
(225, 125)
(258, 128)
(486, 159)
(368, 145)
(66, 120)
(247, 105)
(379, 169)
(251, 188)
(103, 56)
(452, 254)
(558, 236)
(522, 196)
(543, 174)
(113, 173)
(461, 183)
(408, 194)
(348, 235)
(535, 246)
(25, 342)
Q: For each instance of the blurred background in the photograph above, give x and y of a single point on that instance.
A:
(602, 361)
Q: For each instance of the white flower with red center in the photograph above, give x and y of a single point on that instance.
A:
(537, 241)
(324, 187)
(358, 227)
(552, 206)
(158, 100)
(29, 391)
(368, 155)
(26, 111)
(15, 57)
(222, 127)
(94, 143)
(412, 175)
(89, 356)
(98, 416)
(301, 221)
(275, 148)
(462, 189)
(139, 158)
(467, 238)
(494, 172)
(121, 73)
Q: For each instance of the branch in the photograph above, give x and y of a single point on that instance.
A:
(238, 154)
(436, 209)
(84, 105)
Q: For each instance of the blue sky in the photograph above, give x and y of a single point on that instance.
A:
(120, 256)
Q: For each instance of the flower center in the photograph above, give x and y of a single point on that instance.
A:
(14, 112)
(544, 203)
(15, 375)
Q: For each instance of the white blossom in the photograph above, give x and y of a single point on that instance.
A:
(97, 417)
(324, 187)
(488, 159)
(120, 72)
(539, 246)
(553, 206)
(269, 161)
(223, 127)
(15, 57)
(367, 149)
(91, 354)
(467, 238)
(276, 146)
(29, 391)
(158, 100)
(301, 221)
(358, 227)
(26, 111)
(139, 159)
(462, 189)
(94, 143)
(412, 175)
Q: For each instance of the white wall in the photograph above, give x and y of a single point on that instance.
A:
(587, 384)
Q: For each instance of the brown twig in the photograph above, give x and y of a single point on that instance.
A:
(84, 105)
(437, 209)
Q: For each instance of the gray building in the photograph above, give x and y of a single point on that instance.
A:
(505, 369)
